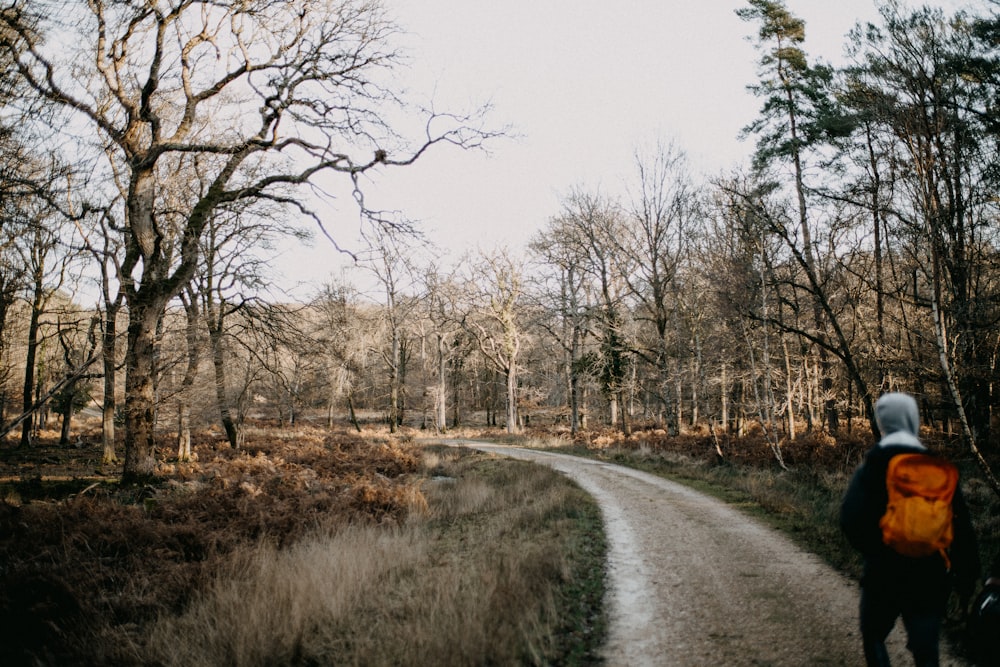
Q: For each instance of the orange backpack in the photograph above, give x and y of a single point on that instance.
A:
(918, 519)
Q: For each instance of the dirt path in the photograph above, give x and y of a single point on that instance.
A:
(695, 582)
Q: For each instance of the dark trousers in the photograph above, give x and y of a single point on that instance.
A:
(922, 616)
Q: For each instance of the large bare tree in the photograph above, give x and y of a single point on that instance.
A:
(565, 297)
(389, 264)
(257, 97)
(494, 319)
(652, 245)
(440, 295)
(592, 225)
(341, 332)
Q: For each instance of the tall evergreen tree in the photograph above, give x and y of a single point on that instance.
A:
(795, 115)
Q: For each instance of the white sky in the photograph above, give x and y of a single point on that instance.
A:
(584, 83)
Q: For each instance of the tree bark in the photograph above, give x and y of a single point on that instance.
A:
(393, 363)
(442, 385)
(29, 366)
(37, 298)
(67, 417)
(109, 402)
(350, 412)
(225, 411)
(512, 419)
(140, 452)
(789, 393)
(724, 398)
(190, 373)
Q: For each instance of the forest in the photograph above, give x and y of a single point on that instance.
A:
(855, 254)
(155, 153)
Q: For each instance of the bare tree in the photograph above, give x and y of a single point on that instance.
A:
(229, 278)
(28, 248)
(793, 119)
(262, 96)
(280, 362)
(567, 297)
(341, 334)
(392, 269)
(13, 277)
(440, 295)
(924, 81)
(39, 252)
(594, 224)
(494, 319)
(193, 346)
(103, 243)
(653, 245)
(78, 344)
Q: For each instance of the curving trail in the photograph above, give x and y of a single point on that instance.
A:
(693, 582)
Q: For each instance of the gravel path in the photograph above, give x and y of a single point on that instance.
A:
(695, 582)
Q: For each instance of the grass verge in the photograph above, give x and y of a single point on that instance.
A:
(505, 568)
(310, 547)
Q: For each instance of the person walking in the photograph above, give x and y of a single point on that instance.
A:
(905, 574)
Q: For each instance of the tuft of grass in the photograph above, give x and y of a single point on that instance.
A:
(275, 606)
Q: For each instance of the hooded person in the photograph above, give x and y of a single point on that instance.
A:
(892, 584)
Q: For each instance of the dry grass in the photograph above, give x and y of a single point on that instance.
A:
(272, 606)
(474, 581)
(325, 548)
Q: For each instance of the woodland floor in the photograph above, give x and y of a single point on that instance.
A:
(74, 565)
(80, 556)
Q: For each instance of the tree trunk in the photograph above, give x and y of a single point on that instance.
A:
(192, 321)
(574, 403)
(626, 424)
(67, 416)
(456, 415)
(698, 372)
(184, 430)
(442, 385)
(232, 429)
(29, 362)
(225, 412)
(826, 382)
(811, 392)
(108, 404)
(789, 390)
(331, 402)
(140, 380)
(512, 424)
(350, 412)
(394, 383)
(967, 433)
(678, 397)
(724, 396)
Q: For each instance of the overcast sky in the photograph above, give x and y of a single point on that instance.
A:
(584, 84)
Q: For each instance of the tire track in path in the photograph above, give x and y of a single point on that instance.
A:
(694, 582)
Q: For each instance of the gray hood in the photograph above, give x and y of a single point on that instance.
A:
(898, 419)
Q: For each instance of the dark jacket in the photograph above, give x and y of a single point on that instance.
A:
(865, 503)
